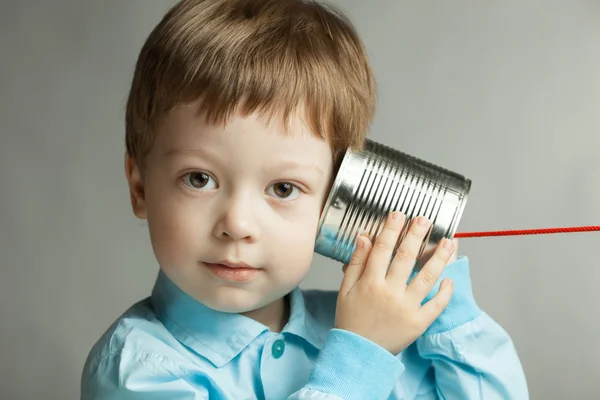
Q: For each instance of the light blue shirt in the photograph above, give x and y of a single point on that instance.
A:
(170, 346)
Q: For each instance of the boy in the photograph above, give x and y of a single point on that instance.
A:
(238, 115)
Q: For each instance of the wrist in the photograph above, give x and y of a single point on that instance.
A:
(349, 364)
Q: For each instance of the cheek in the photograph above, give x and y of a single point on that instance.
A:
(294, 243)
(173, 230)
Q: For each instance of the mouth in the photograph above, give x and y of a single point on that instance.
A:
(232, 271)
(235, 265)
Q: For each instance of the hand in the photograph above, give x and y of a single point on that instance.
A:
(375, 301)
(426, 256)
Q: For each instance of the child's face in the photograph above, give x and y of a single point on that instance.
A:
(244, 193)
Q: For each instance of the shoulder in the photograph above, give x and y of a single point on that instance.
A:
(137, 341)
(135, 330)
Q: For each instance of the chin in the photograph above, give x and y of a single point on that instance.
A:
(234, 300)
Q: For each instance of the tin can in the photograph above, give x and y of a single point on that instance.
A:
(373, 182)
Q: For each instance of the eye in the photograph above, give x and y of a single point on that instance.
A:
(283, 191)
(199, 180)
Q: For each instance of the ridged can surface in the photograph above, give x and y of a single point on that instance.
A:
(377, 180)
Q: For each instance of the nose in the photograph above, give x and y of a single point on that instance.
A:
(236, 220)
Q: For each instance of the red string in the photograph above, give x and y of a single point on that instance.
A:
(527, 231)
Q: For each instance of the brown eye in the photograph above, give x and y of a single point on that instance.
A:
(199, 180)
(283, 190)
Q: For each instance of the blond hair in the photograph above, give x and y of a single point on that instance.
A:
(246, 56)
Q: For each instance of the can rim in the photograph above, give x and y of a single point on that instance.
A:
(459, 210)
(334, 189)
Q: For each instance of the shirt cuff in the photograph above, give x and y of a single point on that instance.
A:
(462, 307)
(352, 367)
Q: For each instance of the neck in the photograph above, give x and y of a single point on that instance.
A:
(274, 315)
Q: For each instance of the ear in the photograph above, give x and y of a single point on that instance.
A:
(136, 187)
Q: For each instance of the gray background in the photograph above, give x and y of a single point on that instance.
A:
(505, 93)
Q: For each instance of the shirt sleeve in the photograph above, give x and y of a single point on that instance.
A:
(349, 367)
(473, 357)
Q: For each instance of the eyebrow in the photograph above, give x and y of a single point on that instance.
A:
(197, 153)
(294, 166)
(282, 166)
(176, 152)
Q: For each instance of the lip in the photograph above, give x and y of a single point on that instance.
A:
(234, 265)
(232, 271)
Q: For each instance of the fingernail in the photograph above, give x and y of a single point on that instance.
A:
(360, 243)
(448, 245)
(422, 221)
(395, 215)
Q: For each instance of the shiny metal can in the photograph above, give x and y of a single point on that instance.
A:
(377, 180)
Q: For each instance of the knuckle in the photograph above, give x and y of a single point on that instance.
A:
(417, 232)
(353, 264)
(382, 246)
(428, 277)
(356, 259)
(405, 256)
(390, 231)
(438, 305)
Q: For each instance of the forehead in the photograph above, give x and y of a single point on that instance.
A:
(184, 130)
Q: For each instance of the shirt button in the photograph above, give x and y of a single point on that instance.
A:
(278, 348)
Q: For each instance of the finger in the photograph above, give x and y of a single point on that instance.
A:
(434, 307)
(406, 255)
(430, 251)
(427, 277)
(383, 248)
(454, 255)
(354, 270)
(455, 242)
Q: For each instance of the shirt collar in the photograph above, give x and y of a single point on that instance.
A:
(221, 336)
